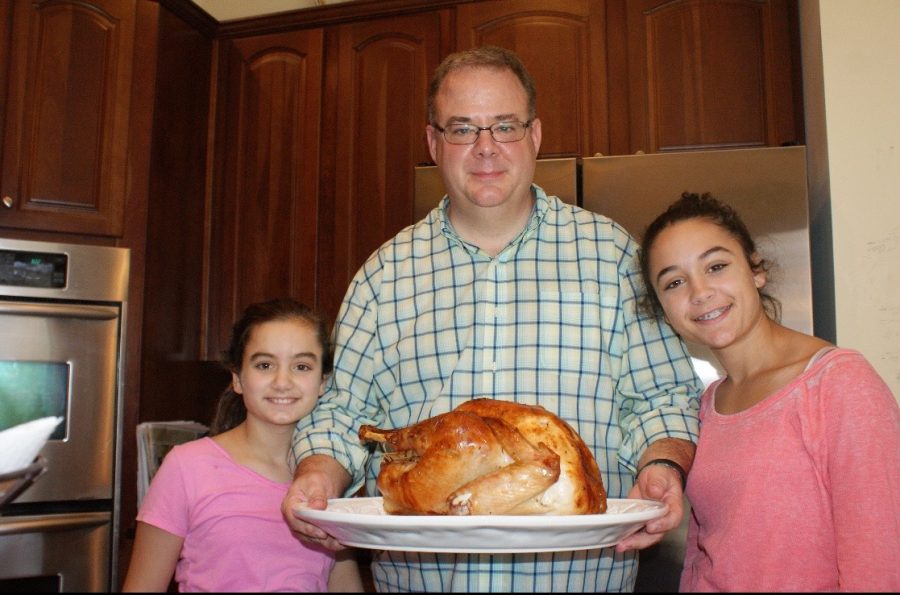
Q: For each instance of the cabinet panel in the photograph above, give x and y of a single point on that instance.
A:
(65, 127)
(562, 45)
(711, 74)
(376, 120)
(265, 201)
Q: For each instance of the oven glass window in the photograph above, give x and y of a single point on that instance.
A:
(32, 390)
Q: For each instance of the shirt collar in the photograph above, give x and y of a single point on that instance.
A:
(541, 206)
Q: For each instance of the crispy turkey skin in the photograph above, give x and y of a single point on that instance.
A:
(488, 457)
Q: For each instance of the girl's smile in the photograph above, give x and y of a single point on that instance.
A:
(704, 283)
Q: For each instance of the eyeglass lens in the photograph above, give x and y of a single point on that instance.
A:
(502, 132)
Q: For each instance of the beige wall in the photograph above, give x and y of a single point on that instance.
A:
(851, 57)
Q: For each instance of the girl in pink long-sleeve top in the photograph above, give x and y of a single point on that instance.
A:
(796, 482)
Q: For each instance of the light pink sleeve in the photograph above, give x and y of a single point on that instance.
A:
(166, 505)
(860, 424)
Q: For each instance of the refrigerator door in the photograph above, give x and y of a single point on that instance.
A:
(767, 187)
(558, 177)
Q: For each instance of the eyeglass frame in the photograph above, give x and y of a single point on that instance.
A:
(480, 129)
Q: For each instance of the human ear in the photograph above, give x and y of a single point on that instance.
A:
(760, 278)
(236, 383)
(535, 129)
(431, 135)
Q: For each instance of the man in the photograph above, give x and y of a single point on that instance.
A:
(502, 292)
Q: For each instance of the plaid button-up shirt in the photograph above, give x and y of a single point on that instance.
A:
(431, 321)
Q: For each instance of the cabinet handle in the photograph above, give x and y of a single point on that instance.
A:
(8, 202)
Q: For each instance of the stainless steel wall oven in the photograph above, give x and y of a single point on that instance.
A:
(62, 337)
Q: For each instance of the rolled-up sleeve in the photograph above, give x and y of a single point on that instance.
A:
(348, 402)
(658, 388)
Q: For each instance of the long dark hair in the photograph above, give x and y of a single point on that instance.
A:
(703, 206)
(230, 410)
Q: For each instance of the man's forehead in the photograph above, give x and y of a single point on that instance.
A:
(458, 88)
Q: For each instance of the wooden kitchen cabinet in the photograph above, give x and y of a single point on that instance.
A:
(562, 43)
(65, 91)
(374, 121)
(613, 77)
(705, 74)
(265, 188)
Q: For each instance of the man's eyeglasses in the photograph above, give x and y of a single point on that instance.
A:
(461, 133)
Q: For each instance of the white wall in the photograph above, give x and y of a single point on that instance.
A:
(851, 60)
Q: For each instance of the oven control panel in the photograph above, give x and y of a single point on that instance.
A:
(33, 269)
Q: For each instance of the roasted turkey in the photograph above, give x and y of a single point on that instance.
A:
(488, 457)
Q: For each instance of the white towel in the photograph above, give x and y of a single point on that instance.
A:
(20, 444)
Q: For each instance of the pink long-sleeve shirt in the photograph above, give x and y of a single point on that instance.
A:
(801, 492)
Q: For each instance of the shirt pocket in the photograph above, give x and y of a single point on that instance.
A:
(570, 335)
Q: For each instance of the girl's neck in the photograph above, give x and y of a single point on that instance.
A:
(261, 447)
(755, 351)
(762, 363)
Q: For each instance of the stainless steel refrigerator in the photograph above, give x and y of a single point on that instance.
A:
(768, 187)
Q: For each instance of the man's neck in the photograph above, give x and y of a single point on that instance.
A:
(491, 229)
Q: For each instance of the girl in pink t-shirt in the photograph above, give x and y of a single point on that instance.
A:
(212, 516)
(795, 485)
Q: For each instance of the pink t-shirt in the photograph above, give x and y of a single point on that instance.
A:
(801, 492)
(235, 538)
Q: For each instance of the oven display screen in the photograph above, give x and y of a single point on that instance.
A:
(32, 390)
(33, 269)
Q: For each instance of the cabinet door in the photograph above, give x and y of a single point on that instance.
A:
(712, 74)
(65, 122)
(562, 45)
(375, 116)
(265, 192)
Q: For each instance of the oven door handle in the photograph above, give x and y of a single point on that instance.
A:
(59, 310)
(52, 522)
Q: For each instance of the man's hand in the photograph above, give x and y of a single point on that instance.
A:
(316, 479)
(656, 482)
(662, 483)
